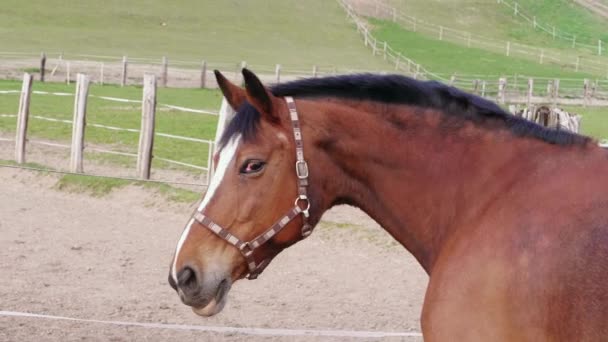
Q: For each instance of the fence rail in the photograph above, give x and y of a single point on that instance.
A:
(79, 124)
(597, 65)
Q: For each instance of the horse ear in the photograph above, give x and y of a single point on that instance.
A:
(233, 94)
(259, 96)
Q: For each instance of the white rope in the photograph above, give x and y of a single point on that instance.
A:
(226, 330)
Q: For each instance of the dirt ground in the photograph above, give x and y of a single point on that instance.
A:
(107, 258)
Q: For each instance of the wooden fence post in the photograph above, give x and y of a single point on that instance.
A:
(578, 62)
(314, 71)
(508, 49)
(452, 80)
(555, 89)
(586, 91)
(123, 75)
(277, 73)
(238, 78)
(483, 88)
(79, 122)
(530, 91)
(203, 74)
(146, 133)
(384, 49)
(476, 86)
(398, 61)
(599, 47)
(67, 75)
(164, 72)
(542, 56)
(22, 118)
(101, 73)
(42, 66)
(502, 86)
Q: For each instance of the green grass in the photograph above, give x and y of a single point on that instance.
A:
(98, 187)
(124, 115)
(493, 20)
(290, 32)
(448, 58)
(594, 122)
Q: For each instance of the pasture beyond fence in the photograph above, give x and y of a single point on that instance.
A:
(593, 64)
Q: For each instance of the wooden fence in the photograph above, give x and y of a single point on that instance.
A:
(79, 124)
(574, 61)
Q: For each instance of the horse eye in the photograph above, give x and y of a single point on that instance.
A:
(252, 166)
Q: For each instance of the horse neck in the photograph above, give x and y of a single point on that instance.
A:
(419, 175)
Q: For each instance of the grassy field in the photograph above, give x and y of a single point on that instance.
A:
(123, 115)
(289, 32)
(447, 58)
(495, 20)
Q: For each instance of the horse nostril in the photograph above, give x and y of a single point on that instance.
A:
(186, 280)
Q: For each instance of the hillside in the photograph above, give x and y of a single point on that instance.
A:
(497, 20)
(293, 33)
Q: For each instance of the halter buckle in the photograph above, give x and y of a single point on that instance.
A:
(305, 199)
(302, 169)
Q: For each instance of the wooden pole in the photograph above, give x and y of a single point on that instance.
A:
(146, 133)
(384, 48)
(573, 42)
(79, 122)
(203, 74)
(508, 48)
(475, 86)
(277, 73)
(555, 91)
(67, 75)
(578, 61)
(314, 71)
(123, 75)
(397, 60)
(586, 91)
(42, 66)
(599, 47)
(164, 72)
(101, 73)
(542, 56)
(530, 91)
(22, 118)
(502, 85)
(452, 80)
(483, 88)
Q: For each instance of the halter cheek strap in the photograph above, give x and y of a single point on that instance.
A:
(301, 206)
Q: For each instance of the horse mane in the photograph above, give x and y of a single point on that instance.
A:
(398, 89)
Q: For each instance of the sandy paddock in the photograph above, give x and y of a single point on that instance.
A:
(74, 255)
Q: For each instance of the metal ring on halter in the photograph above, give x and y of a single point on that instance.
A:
(303, 198)
(246, 249)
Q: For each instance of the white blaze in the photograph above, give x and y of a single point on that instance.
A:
(228, 153)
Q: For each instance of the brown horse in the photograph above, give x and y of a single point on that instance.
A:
(508, 218)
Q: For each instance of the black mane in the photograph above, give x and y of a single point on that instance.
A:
(399, 89)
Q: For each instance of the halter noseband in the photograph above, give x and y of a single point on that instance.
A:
(247, 248)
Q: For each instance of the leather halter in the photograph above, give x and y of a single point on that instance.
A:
(247, 248)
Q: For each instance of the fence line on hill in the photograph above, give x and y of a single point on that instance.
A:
(77, 146)
(552, 30)
(592, 64)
